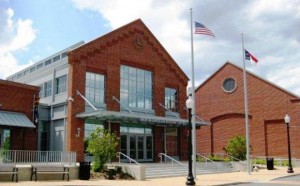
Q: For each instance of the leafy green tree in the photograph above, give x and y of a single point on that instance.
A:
(102, 144)
(236, 147)
(6, 144)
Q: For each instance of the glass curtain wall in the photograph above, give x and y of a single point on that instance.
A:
(136, 88)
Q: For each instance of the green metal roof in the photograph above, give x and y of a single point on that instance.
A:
(15, 119)
(137, 118)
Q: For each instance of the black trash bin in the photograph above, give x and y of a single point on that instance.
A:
(84, 170)
(270, 163)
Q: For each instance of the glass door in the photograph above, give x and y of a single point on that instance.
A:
(149, 148)
(140, 149)
(124, 145)
(136, 142)
(132, 147)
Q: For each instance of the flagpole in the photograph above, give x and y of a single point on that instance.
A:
(193, 97)
(246, 108)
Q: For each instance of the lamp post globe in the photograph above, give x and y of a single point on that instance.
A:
(189, 103)
(189, 106)
(287, 120)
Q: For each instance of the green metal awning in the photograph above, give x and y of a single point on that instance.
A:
(135, 118)
(15, 119)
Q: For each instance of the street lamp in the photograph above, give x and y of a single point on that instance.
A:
(189, 106)
(287, 120)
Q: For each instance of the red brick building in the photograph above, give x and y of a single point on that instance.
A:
(124, 81)
(17, 131)
(141, 94)
(220, 100)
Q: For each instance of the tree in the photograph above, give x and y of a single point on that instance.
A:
(102, 144)
(236, 147)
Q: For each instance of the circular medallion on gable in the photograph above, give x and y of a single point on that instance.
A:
(229, 85)
(138, 43)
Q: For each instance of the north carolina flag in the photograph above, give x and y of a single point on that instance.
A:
(250, 57)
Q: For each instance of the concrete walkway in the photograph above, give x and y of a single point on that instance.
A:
(263, 175)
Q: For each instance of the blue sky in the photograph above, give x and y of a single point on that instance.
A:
(57, 25)
(31, 30)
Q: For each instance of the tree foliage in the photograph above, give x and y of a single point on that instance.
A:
(102, 144)
(236, 147)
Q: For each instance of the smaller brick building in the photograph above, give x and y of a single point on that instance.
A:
(17, 129)
(220, 100)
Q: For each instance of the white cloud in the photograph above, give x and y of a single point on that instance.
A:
(162, 17)
(270, 30)
(14, 36)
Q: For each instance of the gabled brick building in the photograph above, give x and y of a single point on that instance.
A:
(132, 87)
(220, 100)
(140, 85)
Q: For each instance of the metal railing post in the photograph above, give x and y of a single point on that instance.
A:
(15, 158)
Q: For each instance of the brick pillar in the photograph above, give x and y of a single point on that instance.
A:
(158, 142)
(115, 128)
(77, 70)
(183, 143)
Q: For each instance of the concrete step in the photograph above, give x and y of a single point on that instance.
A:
(169, 170)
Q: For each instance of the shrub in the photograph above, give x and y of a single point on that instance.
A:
(236, 147)
(102, 144)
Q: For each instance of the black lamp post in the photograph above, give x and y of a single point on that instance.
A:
(190, 178)
(287, 122)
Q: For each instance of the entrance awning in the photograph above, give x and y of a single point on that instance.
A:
(136, 118)
(15, 119)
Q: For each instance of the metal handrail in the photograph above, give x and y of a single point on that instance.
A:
(223, 154)
(37, 157)
(169, 157)
(207, 159)
(127, 157)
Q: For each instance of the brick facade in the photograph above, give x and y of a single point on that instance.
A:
(267, 105)
(17, 97)
(132, 45)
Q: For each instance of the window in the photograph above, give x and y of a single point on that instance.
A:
(41, 91)
(171, 99)
(39, 66)
(94, 87)
(20, 75)
(5, 139)
(63, 55)
(56, 58)
(229, 85)
(32, 69)
(91, 127)
(26, 72)
(44, 127)
(61, 84)
(136, 87)
(48, 88)
(48, 62)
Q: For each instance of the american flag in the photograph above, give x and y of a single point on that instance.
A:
(201, 29)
